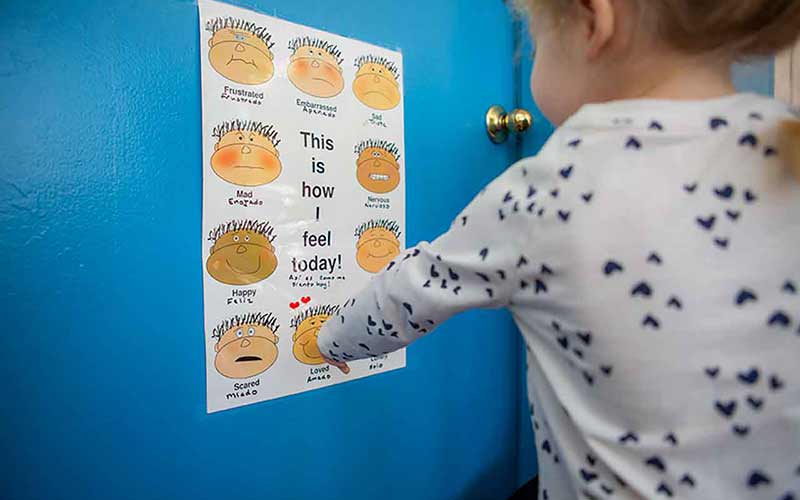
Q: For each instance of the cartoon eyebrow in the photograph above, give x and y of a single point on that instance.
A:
(263, 228)
(327, 310)
(263, 319)
(387, 224)
(219, 23)
(317, 43)
(387, 146)
(267, 130)
(373, 59)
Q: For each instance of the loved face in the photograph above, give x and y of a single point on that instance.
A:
(245, 351)
(316, 72)
(376, 87)
(305, 347)
(377, 170)
(241, 258)
(246, 159)
(240, 56)
(376, 248)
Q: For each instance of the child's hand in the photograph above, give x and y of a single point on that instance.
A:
(342, 366)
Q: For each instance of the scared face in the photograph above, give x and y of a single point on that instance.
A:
(316, 72)
(245, 351)
(305, 347)
(377, 170)
(376, 86)
(376, 247)
(241, 258)
(240, 56)
(246, 158)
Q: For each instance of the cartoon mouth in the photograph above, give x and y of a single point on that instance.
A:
(380, 256)
(249, 167)
(376, 92)
(244, 271)
(322, 80)
(245, 359)
(378, 177)
(251, 62)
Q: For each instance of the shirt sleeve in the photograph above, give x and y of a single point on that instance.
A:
(473, 265)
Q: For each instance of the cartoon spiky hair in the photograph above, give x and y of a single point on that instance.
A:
(263, 319)
(327, 310)
(263, 228)
(219, 23)
(267, 130)
(372, 59)
(387, 224)
(317, 43)
(389, 147)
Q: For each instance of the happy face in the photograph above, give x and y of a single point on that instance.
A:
(376, 247)
(240, 55)
(246, 350)
(377, 170)
(316, 70)
(376, 86)
(305, 347)
(241, 257)
(246, 158)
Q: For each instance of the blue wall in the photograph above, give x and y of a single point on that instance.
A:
(100, 198)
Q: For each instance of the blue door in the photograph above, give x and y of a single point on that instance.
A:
(100, 197)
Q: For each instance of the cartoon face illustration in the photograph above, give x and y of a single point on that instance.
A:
(307, 325)
(246, 345)
(376, 82)
(316, 67)
(377, 167)
(246, 153)
(242, 252)
(240, 51)
(378, 243)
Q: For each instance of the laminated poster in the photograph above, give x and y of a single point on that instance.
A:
(303, 196)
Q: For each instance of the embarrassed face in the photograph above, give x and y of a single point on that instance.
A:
(246, 159)
(316, 72)
(245, 351)
(305, 347)
(376, 248)
(240, 56)
(376, 87)
(241, 258)
(377, 170)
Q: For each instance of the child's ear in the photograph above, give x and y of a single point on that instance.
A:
(598, 22)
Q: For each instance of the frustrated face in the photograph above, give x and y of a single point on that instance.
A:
(240, 56)
(241, 258)
(316, 72)
(245, 351)
(376, 247)
(377, 170)
(305, 347)
(246, 158)
(376, 86)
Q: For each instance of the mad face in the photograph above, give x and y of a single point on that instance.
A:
(376, 86)
(305, 347)
(241, 258)
(245, 351)
(377, 170)
(316, 72)
(376, 248)
(246, 159)
(240, 56)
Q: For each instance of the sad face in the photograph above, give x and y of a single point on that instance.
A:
(315, 68)
(247, 155)
(376, 83)
(239, 54)
(242, 255)
(376, 247)
(377, 170)
(246, 350)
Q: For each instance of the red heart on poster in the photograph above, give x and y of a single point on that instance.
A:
(294, 305)
(305, 300)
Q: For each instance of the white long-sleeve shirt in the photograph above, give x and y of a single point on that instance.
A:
(650, 255)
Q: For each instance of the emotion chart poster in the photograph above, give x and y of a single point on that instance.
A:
(303, 196)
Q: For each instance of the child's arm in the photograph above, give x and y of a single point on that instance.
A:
(475, 264)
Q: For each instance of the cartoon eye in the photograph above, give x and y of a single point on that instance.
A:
(239, 333)
(380, 71)
(376, 154)
(241, 138)
(251, 331)
(236, 238)
(240, 37)
(247, 238)
(251, 139)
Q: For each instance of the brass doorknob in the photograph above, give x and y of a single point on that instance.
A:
(499, 123)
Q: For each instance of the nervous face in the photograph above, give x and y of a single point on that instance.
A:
(240, 51)
(242, 253)
(315, 68)
(376, 247)
(376, 83)
(246, 350)
(246, 154)
(305, 347)
(377, 170)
